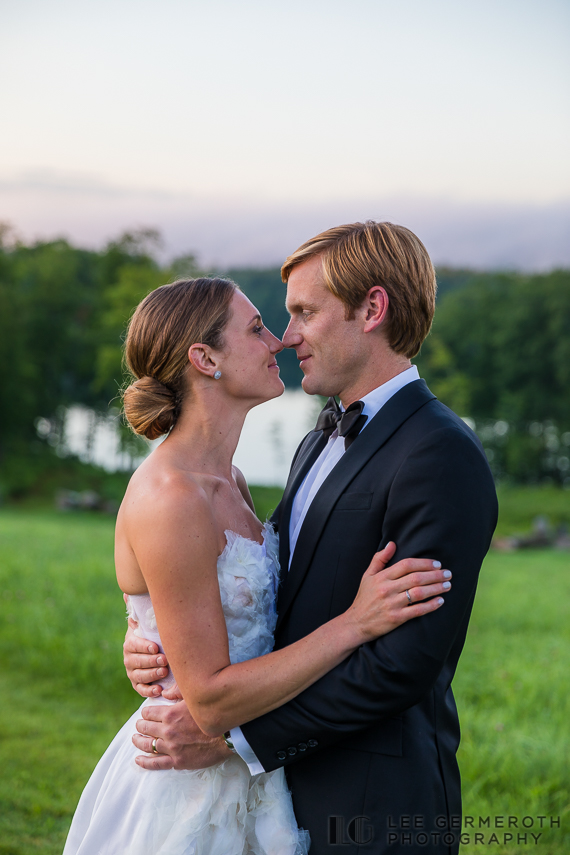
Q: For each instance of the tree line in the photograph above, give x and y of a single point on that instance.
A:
(498, 353)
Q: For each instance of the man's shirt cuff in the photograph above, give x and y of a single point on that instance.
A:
(245, 751)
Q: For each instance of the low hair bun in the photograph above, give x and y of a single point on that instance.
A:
(161, 331)
(150, 407)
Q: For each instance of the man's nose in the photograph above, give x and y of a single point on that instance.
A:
(291, 338)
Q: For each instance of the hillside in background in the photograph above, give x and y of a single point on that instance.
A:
(498, 353)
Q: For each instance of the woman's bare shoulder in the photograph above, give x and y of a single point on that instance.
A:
(163, 496)
(162, 507)
(163, 483)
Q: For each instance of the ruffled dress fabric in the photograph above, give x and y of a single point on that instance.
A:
(221, 810)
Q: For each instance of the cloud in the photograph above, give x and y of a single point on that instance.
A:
(226, 231)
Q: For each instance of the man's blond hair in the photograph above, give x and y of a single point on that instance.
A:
(359, 256)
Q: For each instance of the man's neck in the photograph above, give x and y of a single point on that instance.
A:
(374, 379)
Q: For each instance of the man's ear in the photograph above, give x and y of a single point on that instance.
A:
(375, 308)
(203, 359)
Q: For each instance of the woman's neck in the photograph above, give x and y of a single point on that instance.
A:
(206, 434)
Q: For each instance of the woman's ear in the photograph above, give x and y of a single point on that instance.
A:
(376, 306)
(203, 359)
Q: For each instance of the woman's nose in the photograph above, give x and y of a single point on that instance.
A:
(275, 344)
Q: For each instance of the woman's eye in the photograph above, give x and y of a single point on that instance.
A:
(258, 329)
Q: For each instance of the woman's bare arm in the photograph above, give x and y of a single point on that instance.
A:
(177, 542)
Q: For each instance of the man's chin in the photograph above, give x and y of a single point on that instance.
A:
(307, 386)
(312, 386)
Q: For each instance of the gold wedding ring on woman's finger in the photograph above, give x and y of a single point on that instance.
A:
(409, 598)
(153, 746)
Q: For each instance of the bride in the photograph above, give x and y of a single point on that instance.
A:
(200, 572)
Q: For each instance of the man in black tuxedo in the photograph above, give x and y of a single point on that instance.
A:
(370, 748)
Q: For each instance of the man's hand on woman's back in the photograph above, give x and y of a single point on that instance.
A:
(145, 664)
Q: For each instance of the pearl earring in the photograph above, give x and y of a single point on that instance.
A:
(217, 375)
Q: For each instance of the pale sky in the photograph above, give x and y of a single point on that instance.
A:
(235, 105)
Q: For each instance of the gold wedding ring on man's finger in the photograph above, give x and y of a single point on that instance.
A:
(153, 746)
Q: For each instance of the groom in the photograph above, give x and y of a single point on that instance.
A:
(370, 748)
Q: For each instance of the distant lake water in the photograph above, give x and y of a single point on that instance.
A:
(269, 439)
(271, 435)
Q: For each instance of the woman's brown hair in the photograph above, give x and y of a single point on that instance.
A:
(162, 329)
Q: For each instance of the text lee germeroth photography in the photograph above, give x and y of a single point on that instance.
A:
(418, 831)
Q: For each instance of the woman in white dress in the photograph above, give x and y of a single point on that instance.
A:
(200, 572)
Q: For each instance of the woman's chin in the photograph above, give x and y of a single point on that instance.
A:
(280, 388)
(276, 392)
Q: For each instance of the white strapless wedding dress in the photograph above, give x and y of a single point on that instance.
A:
(222, 810)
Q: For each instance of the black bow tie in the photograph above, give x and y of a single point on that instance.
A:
(349, 423)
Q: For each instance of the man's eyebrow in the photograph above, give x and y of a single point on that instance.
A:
(301, 306)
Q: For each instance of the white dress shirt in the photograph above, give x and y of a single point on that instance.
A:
(321, 468)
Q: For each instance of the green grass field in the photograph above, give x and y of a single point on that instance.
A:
(65, 693)
(518, 506)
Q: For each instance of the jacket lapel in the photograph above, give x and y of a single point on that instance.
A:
(386, 422)
(312, 446)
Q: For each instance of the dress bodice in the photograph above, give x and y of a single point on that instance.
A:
(248, 574)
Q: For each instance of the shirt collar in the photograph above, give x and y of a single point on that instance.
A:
(375, 400)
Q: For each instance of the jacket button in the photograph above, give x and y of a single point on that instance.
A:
(281, 755)
(312, 743)
(302, 746)
(291, 751)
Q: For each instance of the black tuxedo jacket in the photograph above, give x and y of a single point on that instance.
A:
(370, 748)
